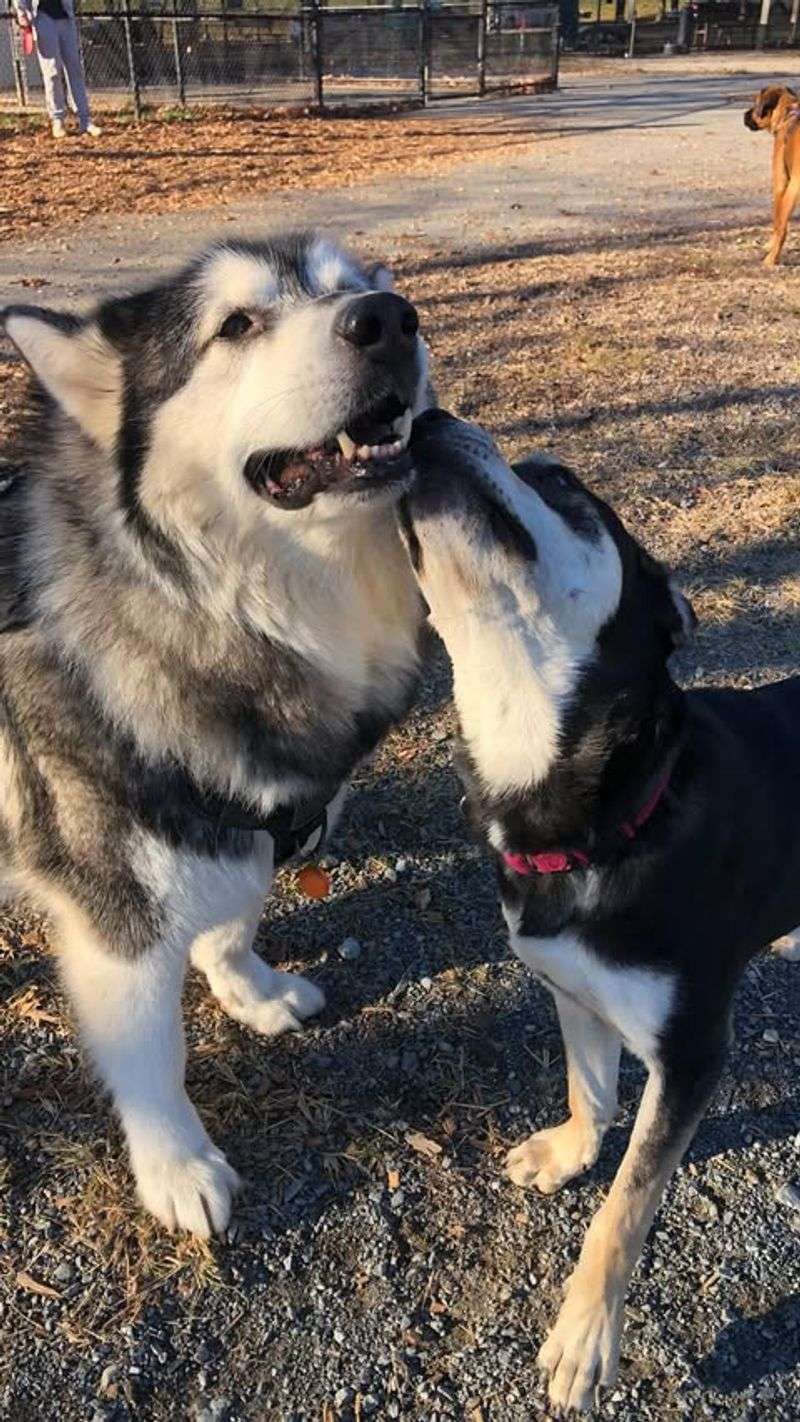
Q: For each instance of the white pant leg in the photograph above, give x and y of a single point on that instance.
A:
(48, 51)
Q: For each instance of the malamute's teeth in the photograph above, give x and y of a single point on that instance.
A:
(346, 444)
(379, 451)
(403, 425)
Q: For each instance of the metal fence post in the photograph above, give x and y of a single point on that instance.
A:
(483, 22)
(317, 57)
(556, 45)
(631, 18)
(132, 75)
(176, 49)
(16, 62)
(425, 51)
(793, 22)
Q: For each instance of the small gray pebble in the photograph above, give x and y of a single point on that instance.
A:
(789, 1195)
(109, 1375)
(350, 949)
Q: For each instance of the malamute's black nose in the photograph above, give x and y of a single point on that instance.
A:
(381, 324)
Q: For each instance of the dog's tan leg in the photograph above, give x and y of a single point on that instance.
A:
(784, 207)
(551, 1157)
(581, 1353)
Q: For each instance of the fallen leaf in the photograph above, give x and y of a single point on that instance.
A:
(423, 1144)
(27, 1281)
(393, 1179)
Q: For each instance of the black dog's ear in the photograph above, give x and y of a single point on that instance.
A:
(673, 612)
(684, 618)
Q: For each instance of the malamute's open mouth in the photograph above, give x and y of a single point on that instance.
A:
(368, 455)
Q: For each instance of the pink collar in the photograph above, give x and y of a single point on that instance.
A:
(563, 861)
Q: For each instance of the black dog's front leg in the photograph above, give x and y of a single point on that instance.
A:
(581, 1353)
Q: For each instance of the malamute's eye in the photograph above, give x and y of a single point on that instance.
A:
(234, 326)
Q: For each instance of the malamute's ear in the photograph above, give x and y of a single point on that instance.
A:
(380, 278)
(73, 362)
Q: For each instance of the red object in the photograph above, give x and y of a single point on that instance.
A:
(27, 40)
(561, 861)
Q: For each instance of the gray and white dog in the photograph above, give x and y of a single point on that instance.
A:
(208, 620)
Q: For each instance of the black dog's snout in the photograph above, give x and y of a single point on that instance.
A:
(749, 121)
(381, 324)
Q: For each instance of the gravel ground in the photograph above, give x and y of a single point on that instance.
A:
(380, 1264)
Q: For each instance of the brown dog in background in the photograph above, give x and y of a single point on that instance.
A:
(777, 108)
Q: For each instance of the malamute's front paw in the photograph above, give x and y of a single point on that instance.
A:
(580, 1356)
(192, 1192)
(293, 999)
(549, 1158)
(265, 1000)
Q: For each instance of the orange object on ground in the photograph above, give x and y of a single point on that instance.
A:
(313, 881)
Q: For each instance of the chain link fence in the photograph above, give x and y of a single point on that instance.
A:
(699, 26)
(312, 56)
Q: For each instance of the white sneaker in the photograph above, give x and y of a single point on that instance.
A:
(92, 130)
(58, 128)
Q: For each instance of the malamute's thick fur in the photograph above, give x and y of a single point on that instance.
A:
(208, 620)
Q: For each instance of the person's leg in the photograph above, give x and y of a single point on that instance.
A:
(71, 60)
(47, 50)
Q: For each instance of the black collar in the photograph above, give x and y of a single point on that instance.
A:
(291, 826)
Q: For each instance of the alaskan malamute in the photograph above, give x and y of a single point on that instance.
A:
(208, 620)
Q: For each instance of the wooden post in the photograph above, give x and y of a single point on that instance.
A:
(132, 75)
(483, 20)
(793, 21)
(176, 50)
(763, 24)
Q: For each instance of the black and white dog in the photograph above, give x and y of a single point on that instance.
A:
(647, 839)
